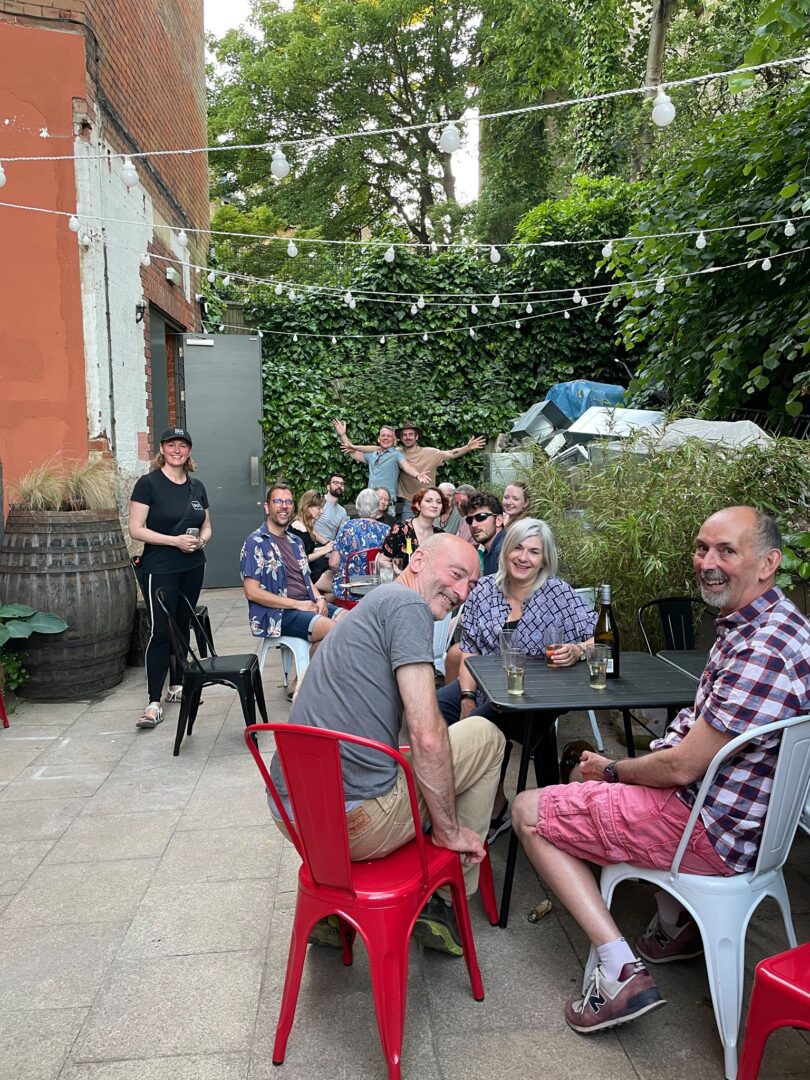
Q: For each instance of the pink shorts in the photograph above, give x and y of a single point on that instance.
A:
(613, 823)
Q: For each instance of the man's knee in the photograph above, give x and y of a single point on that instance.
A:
(524, 809)
(481, 732)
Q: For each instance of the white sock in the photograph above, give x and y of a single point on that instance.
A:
(669, 912)
(613, 956)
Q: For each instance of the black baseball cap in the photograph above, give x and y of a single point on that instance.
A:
(175, 433)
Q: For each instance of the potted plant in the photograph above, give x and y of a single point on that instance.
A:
(18, 621)
(64, 550)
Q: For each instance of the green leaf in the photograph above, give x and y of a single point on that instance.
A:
(44, 622)
(788, 191)
(15, 611)
(19, 628)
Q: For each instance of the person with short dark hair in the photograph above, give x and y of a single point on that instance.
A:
(484, 518)
(384, 462)
(333, 514)
(277, 582)
(168, 511)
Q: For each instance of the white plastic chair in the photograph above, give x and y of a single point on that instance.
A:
(722, 906)
(292, 648)
(443, 638)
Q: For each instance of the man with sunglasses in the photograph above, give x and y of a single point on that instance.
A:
(484, 518)
(275, 571)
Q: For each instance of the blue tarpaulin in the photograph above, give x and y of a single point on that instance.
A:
(576, 397)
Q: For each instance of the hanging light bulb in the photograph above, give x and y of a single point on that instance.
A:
(279, 289)
(212, 277)
(146, 260)
(607, 250)
(688, 282)
(279, 166)
(2, 176)
(420, 303)
(660, 285)
(182, 238)
(129, 174)
(472, 332)
(221, 328)
(226, 280)
(766, 263)
(295, 337)
(85, 240)
(584, 301)
(474, 309)
(517, 324)
(663, 112)
(73, 223)
(529, 309)
(389, 254)
(424, 337)
(382, 339)
(414, 309)
(347, 298)
(790, 228)
(352, 304)
(450, 139)
(494, 255)
(291, 294)
(700, 243)
(576, 297)
(496, 301)
(434, 247)
(567, 314)
(292, 250)
(261, 335)
(334, 340)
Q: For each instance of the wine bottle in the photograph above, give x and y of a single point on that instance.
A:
(606, 632)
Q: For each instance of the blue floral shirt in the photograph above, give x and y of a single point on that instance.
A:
(260, 558)
(353, 537)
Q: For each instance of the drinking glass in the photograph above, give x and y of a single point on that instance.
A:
(597, 656)
(553, 638)
(507, 640)
(374, 572)
(514, 662)
(386, 573)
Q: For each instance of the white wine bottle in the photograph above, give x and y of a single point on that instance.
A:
(606, 632)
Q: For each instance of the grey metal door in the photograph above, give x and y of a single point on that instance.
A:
(223, 391)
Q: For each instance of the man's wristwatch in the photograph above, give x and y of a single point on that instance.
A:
(610, 776)
(468, 694)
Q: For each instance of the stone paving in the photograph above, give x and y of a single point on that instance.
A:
(145, 907)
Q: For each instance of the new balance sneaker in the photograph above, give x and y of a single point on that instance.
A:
(656, 946)
(607, 1003)
(436, 927)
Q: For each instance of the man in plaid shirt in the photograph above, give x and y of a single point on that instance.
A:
(635, 810)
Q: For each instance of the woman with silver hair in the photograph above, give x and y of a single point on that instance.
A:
(354, 536)
(525, 595)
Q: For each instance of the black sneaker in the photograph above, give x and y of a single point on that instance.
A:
(436, 927)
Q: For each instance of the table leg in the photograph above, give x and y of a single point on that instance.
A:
(628, 733)
(511, 858)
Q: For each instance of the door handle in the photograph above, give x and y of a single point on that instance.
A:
(254, 472)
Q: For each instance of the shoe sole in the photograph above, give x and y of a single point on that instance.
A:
(148, 723)
(640, 1011)
(667, 959)
(434, 935)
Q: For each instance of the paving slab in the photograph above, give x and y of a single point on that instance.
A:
(69, 748)
(212, 1067)
(34, 1045)
(221, 854)
(43, 820)
(19, 859)
(104, 838)
(41, 781)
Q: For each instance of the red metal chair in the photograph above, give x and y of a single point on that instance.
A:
(3, 713)
(343, 574)
(379, 898)
(780, 998)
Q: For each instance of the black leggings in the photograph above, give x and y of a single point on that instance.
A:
(158, 652)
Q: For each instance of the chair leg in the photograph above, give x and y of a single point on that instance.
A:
(302, 925)
(388, 964)
(3, 713)
(266, 643)
(258, 693)
(248, 700)
(779, 893)
(462, 913)
(182, 721)
(193, 706)
(758, 1026)
(486, 886)
(597, 734)
(724, 954)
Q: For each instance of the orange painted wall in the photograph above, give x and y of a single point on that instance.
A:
(43, 408)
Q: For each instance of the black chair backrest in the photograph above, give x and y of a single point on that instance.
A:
(679, 620)
(181, 645)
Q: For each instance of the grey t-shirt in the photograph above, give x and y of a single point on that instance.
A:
(330, 520)
(351, 683)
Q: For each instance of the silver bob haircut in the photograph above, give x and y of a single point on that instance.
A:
(515, 535)
(367, 503)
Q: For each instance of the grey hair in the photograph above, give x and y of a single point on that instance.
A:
(767, 533)
(367, 503)
(447, 488)
(515, 535)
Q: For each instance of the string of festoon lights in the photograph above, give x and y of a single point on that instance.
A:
(663, 113)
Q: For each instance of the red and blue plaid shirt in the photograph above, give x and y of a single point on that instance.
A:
(758, 671)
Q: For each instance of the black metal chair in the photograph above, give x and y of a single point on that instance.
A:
(684, 622)
(240, 671)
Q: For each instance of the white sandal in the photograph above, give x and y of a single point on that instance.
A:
(152, 716)
(175, 695)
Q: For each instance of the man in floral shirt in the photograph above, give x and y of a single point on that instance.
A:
(279, 590)
(635, 810)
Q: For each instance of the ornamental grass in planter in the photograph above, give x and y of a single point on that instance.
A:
(64, 551)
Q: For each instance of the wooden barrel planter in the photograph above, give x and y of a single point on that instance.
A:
(75, 564)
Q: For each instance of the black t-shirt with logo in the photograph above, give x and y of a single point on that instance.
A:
(173, 508)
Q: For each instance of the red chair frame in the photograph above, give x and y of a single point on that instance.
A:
(378, 898)
(371, 554)
(3, 713)
(780, 998)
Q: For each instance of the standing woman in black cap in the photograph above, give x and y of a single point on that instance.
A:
(168, 511)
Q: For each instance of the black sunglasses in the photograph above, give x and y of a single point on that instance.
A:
(470, 518)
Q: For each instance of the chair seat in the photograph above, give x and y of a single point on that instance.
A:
(233, 662)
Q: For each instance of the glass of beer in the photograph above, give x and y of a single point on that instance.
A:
(552, 639)
(597, 656)
(514, 662)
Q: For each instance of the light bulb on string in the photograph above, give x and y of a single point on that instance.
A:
(517, 324)
(663, 112)
(420, 303)
(146, 259)
(529, 309)
(279, 166)
(434, 247)
(494, 255)
(766, 263)
(414, 309)
(700, 243)
(577, 296)
(347, 298)
(566, 314)
(226, 280)
(73, 223)
(688, 282)
(496, 301)
(424, 337)
(450, 139)
(660, 285)
(291, 294)
(295, 337)
(85, 240)
(389, 254)
(790, 229)
(2, 176)
(607, 250)
(382, 339)
(292, 250)
(261, 335)
(584, 301)
(212, 277)
(129, 174)
(352, 304)
(473, 309)
(472, 332)
(334, 340)
(279, 289)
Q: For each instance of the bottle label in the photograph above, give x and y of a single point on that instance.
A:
(609, 666)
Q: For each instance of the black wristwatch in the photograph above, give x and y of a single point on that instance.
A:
(610, 776)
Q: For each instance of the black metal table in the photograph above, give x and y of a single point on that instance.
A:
(690, 661)
(645, 682)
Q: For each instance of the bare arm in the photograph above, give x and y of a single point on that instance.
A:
(475, 443)
(675, 766)
(406, 467)
(432, 762)
(138, 513)
(254, 592)
(348, 447)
